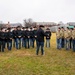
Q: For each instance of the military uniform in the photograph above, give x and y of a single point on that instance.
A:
(19, 36)
(58, 37)
(71, 43)
(10, 37)
(48, 36)
(31, 39)
(2, 41)
(62, 38)
(67, 35)
(35, 36)
(14, 37)
(6, 38)
(73, 39)
(27, 36)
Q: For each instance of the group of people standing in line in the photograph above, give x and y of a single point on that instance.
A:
(66, 38)
(24, 37)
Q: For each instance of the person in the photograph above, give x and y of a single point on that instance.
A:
(19, 36)
(31, 33)
(71, 43)
(73, 39)
(23, 37)
(40, 40)
(67, 38)
(58, 37)
(6, 31)
(9, 37)
(48, 36)
(62, 37)
(35, 36)
(27, 36)
(14, 37)
(2, 40)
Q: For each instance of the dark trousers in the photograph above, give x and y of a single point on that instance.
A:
(24, 42)
(18, 43)
(5, 43)
(62, 42)
(27, 43)
(71, 43)
(40, 44)
(74, 45)
(14, 42)
(31, 40)
(9, 44)
(2, 45)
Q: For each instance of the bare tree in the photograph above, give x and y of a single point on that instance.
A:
(28, 22)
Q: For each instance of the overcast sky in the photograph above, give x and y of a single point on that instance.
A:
(38, 10)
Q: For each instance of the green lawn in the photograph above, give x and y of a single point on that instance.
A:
(26, 62)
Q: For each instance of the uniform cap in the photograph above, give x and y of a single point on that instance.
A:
(41, 26)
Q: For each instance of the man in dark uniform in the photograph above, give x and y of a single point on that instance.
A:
(48, 36)
(6, 39)
(35, 36)
(23, 38)
(27, 36)
(31, 33)
(40, 39)
(14, 37)
(10, 37)
(71, 42)
(19, 36)
(2, 40)
(62, 37)
(73, 39)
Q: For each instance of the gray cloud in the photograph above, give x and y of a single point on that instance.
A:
(38, 10)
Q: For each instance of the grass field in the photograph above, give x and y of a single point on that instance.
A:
(25, 61)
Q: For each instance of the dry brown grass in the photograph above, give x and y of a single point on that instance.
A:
(25, 61)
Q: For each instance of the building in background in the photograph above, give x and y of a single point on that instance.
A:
(71, 23)
(12, 25)
(51, 25)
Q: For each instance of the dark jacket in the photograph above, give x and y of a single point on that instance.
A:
(35, 31)
(0, 35)
(3, 36)
(23, 34)
(6, 36)
(40, 35)
(48, 34)
(31, 33)
(27, 33)
(14, 34)
(19, 33)
(10, 35)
